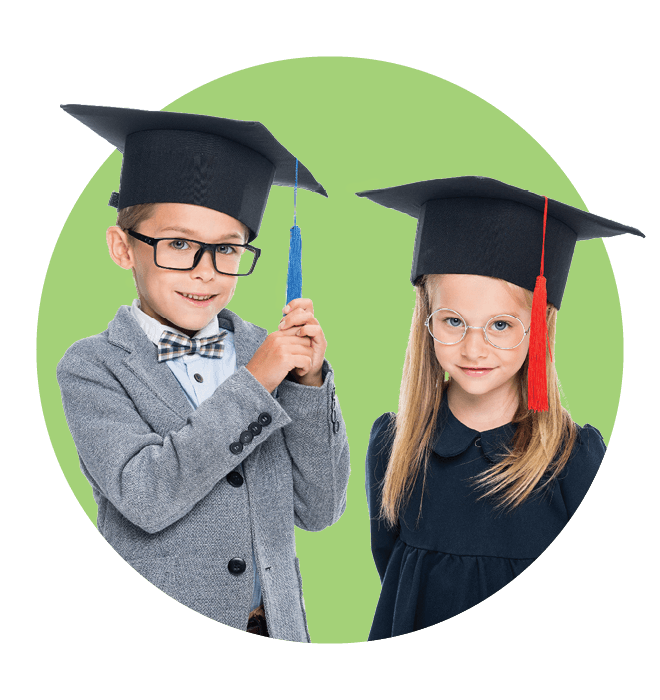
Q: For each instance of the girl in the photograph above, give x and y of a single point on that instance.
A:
(477, 474)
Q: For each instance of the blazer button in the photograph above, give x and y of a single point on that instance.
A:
(236, 566)
(255, 428)
(265, 419)
(236, 448)
(246, 437)
(198, 377)
(235, 479)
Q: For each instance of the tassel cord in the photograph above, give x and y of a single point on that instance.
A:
(294, 273)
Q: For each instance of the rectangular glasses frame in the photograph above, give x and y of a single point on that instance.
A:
(203, 247)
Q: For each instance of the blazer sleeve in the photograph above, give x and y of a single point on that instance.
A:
(155, 479)
(318, 447)
(581, 468)
(383, 537)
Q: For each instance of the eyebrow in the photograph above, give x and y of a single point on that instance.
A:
(192, 234)
(499, 313)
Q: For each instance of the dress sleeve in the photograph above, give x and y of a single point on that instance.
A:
(580, 471)
(383, 538)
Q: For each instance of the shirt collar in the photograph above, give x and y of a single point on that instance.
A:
(153, 329)
(452, 437)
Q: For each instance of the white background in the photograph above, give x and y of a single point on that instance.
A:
(33, 670)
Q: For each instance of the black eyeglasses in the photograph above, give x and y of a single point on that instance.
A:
(236, 259)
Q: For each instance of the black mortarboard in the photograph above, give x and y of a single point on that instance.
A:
(222, 164)
(479, 226)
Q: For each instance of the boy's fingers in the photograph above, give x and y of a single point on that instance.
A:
(298, 343)
(303, 365)
(297, 317)
(293, 331)
(299, 304)
(308, 334)
(302, 358)
(315, 332)
(291, 338)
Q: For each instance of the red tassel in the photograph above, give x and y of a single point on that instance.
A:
(537, 378)
(537, 384)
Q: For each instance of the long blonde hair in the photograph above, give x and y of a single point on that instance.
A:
(541, 445)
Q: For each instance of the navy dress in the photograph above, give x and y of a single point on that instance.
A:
(460, 551)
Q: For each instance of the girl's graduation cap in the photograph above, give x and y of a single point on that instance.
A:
(223, 164)
(479, 226)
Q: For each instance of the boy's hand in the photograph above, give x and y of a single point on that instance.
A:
(299, 318)
(296, 350)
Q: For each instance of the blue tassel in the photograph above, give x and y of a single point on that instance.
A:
(294, 274)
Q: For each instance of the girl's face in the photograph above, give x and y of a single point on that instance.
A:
(477, 367)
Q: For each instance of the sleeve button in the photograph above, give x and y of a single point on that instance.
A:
(246, 437)
(254, 428)
(265, 419)
(236, 448)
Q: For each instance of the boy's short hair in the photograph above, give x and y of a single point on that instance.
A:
(132, 217)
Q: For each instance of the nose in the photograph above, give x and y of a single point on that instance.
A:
(204, 269)
(474, 344)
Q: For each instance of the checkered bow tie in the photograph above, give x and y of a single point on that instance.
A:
(172, 345)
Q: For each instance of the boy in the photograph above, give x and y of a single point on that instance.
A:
(205, 440)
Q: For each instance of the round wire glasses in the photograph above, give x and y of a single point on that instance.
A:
(448, 327)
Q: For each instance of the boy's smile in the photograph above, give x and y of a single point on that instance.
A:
(200, 301)
(186, 300)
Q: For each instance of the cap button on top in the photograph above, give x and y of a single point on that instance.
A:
(198, 377)
(265, 419)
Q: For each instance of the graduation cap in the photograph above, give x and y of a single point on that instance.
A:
(223, 164)
(480, 226)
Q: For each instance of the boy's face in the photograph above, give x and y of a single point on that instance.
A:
(166, 294)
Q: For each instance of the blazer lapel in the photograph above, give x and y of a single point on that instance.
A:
(125, 332)
(247, 336)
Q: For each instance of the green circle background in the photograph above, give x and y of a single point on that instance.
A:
(356, 124)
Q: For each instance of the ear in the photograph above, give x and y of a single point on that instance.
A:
(119, 248)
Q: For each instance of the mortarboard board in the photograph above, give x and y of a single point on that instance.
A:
(480, 226)
(223, 164)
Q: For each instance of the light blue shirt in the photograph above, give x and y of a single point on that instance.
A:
(212, 370)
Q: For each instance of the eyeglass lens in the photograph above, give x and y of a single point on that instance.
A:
(502, 331)
(180, 254)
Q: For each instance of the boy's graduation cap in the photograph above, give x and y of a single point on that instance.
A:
(479, 226)
(223, 164)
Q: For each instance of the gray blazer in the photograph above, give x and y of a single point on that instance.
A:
(159, 468)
